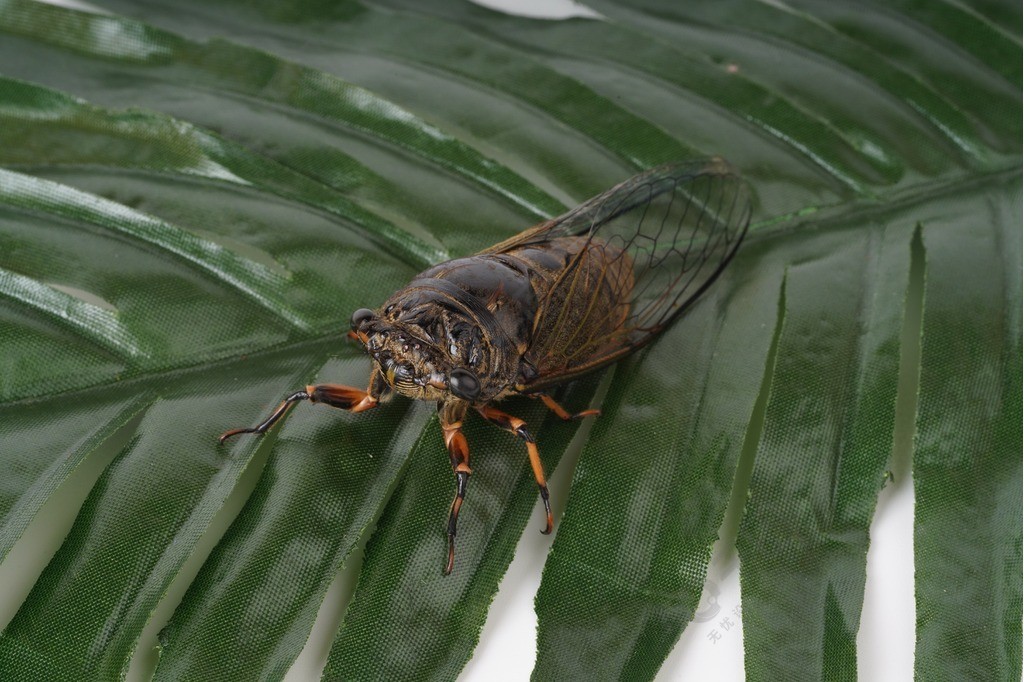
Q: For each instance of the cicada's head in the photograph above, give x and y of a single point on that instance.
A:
(428, 352)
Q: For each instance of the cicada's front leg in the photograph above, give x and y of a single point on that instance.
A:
(334, 395)
(451, 415)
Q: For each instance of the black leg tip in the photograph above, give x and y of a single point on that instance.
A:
(450, 563)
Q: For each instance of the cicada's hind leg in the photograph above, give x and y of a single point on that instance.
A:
(517, 426)
(458, 453)
(561, 411)
(343, 397)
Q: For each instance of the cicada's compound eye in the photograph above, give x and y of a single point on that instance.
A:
(464, 384)
(361, 317)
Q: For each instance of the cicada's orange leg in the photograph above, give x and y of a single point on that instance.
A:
(358, 336)
(561, 411)
(517, 426)
(343, 397)
(458, 454)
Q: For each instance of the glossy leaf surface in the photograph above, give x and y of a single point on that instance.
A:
(195, 196)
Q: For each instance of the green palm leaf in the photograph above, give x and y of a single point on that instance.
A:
(194, 197)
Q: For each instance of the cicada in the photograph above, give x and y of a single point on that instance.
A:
(565, 297)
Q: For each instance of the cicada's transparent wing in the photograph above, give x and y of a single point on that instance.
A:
(647, 249)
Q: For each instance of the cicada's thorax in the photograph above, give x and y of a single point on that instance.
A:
(477, 314)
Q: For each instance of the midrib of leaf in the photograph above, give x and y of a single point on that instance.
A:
(874, 207)
(862, 210)
(141, 380)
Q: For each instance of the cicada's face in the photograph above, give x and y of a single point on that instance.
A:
(409, 363)
(437, 357)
